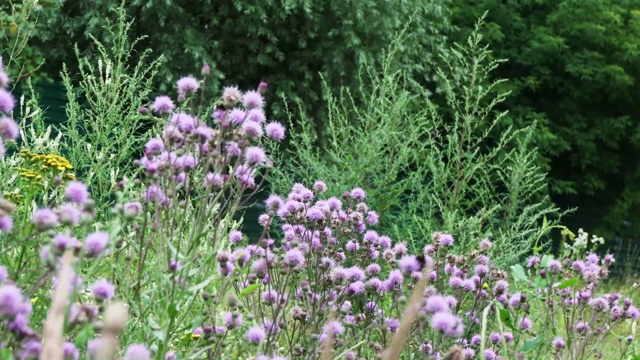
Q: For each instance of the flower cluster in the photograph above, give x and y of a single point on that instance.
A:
(193, 155)
(329, 260)
(9, 131)
(332, 277)
(58, 224)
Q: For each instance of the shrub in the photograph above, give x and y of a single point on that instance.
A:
(428, 167)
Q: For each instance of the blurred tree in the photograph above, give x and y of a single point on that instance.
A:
(18, 25)
(573, 67)
(284, 42)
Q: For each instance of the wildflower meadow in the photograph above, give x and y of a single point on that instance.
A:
(416, 229)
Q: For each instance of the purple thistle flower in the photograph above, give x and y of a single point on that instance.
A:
(446, 239)
(70, 352)
(632, 313)
(31, 349)
(373, 269)
(482, 270)
(154, 146)
(214, 179)
(319, 186)
(409, 264)
(163, 105)
(384, 242)
(69, 214)
(533, 261)
(370, 237)
(372, 218)
(593, 258)
(559, 343)
(490, 354)
(476, 340)
(436, 304)
(9, 130)
(6, 223)
(495, 338)
(469, 285)
(608, 259)
(11, 301)
(254, 155)
(294, 258)
(370, 306)
(508, 337)
(252, 129)
(469, 353)
(578, 266)
(137, 352)
(103, 290)
(315, 214)
(515, 300)
(581, 327)
(205, 71)
(235, 237)
(554, 266)
(395, 278)
(333, 328)
(600, 304)
(44, 219)
(132, 209)
(95, 243)
(255, 335)
(400, 249)
(76, 192)
(187, 85)
(483, 260)
(455, 282)
(7, 102)
(449, 325)
(354, 273)
(392, 324)
(257, 116)
(500, 287)
(252, 100)
(275, 131)
(231, 95)
(237, 116)
(352, 246)
(357, 193)
(356, 288)
(525, 323)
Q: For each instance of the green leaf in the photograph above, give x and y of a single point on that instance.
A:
(544, 222)
(505, 317)
(249, 289)
(545, 261)
(202, 285)
(568, 283)
(531, 344)
(6, 354)
(172, 310)
(517, 271)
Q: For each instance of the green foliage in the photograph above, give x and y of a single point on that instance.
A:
(104, 127)
(428, 168)
(284, 42)
(18, 22)
(573, 69)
